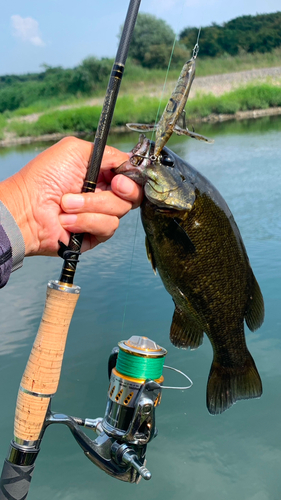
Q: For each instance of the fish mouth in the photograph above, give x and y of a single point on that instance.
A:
(145, 172)
(136, 167)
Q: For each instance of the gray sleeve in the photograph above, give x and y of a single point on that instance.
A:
(13, 232)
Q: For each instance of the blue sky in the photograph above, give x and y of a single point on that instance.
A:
(64, 32)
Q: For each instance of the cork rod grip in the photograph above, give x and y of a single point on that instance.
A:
(42, 373)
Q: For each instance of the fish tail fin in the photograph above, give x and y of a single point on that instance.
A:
(228, 385)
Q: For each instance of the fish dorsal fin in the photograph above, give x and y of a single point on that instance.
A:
(185, 331)
(150, 255)
(181, 122)
(255, 308)
(142, 127)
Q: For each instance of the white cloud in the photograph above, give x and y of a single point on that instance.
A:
(27, 29)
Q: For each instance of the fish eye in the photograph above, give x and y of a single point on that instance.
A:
(167, 161)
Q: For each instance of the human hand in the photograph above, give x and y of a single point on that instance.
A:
(46, 201)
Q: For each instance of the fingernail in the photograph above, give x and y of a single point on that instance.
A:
(73, 201)
(124, 185)
(67, 219)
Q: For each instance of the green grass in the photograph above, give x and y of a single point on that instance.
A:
(3, 124)
(250, 97)
(43, 105)
(244, 61)
(145, 110)
(70, 120)
(85, 119)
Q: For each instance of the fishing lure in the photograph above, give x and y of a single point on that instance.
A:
(173, 118)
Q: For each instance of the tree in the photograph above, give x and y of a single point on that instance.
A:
(260, 33)
(208, 42)
(151, 42)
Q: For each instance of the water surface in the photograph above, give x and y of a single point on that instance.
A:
(236, 455)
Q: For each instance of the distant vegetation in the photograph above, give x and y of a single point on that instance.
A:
(22, 90)
(145, 109)
(243, 43)
(261, 33)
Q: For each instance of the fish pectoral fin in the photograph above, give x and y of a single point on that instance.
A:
(255, 308)
(226, 385)
(141, 127)
(181, 122)
(185, 331)
(150, 255)
(189, 133)
(179, 235)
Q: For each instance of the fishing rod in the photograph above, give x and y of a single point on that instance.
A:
(134, 367)
(41, 376)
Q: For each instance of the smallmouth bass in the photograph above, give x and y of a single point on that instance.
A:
(195, 244)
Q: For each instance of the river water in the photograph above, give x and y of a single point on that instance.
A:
(196, 456)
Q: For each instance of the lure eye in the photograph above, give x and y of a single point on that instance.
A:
(167, 162)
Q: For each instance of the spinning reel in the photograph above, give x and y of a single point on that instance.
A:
(135, 390)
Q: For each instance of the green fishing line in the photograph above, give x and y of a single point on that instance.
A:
(138, 366)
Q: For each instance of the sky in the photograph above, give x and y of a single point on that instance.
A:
(64, 32)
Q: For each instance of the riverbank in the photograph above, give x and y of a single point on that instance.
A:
(233, 96)
(11, 140)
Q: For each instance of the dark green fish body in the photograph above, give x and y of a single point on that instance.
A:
(195, 244)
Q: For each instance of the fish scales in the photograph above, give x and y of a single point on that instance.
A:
(206, 275)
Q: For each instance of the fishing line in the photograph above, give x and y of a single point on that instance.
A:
(139, 367)
(152, 139)
(164, 85)
(130, 273)
(167, 72)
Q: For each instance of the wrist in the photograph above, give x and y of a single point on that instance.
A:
(14, 196)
